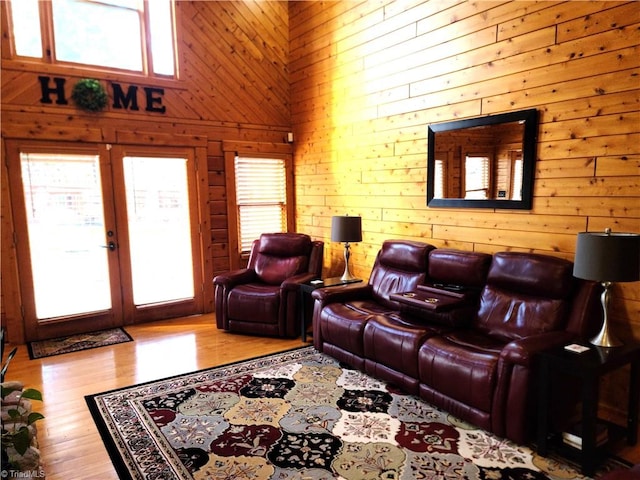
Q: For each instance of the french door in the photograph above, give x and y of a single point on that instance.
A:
(105, 236)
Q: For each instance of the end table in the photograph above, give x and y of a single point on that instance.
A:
(308, 287)
(589, 366)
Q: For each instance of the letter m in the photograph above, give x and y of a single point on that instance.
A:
(128, 101)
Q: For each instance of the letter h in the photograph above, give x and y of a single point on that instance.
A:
(57, 90)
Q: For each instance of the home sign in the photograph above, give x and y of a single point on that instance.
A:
(53, 90)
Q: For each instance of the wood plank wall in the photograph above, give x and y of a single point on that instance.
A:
(368, 77)
(233, 87)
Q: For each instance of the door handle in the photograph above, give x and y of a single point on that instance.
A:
(111, 246)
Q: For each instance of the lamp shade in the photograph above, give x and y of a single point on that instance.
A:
(607, 257)
(346, 229)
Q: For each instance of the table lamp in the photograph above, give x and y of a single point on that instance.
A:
(346, 229)
(606, 258)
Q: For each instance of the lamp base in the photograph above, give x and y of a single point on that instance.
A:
(346, 276)
(604, 338)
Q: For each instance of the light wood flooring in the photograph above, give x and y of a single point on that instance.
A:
(69, 441)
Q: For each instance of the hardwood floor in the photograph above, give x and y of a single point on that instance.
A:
(69, 441)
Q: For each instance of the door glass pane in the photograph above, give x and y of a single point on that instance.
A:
(65, 218)
(159, 229)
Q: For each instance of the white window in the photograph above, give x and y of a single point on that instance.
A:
(438, 178)
(134, 35)
(261, 198)
(476, 176)
(517, 180)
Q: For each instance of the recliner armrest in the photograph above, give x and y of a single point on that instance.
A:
(523, 351)
(293, 283)
(236, 277)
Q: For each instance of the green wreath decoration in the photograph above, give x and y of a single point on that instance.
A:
(89, 95)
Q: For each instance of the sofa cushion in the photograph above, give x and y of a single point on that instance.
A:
(511, 316)
(284, 244)
(531, 274)
(461, 365)
(341, 326)
(405, 255)
(457, 267)
(400, 266)
(393, 342)
(526, 294)
(254, 302)
(275, 270)
(281, 256)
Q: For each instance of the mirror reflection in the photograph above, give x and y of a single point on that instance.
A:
(484, 162)
(480, 163)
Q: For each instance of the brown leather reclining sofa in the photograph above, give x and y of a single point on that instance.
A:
(476, 359)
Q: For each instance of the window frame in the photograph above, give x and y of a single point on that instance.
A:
(49, 48)
(237, 258)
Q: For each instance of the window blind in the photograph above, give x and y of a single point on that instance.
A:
(477, 177)
(261, 196)
(438, 180)
(517, 182)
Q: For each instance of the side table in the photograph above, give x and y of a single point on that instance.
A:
(589, 366)
(308, 287)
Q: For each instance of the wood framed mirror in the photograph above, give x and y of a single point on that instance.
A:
(483, 162)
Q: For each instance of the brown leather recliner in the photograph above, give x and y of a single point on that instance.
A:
(340, 314)
(263, 299)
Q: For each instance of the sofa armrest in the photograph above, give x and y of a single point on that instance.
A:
(235, 277)
(523, 351)
(354, 291)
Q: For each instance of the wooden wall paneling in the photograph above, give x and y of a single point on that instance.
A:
(588, 206)
(41, 131)
(5, 23)
(206, 245)
(232, 212)
(363, 94)
(256, 85)
(597, 126)
(607, 15)
(141, 137)
(10, 311)
(219, 232)
(597, 146)
(530, 17)
(627, 99)
(614, 166)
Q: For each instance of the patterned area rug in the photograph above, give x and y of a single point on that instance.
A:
(298, 415)
(74, 343)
